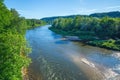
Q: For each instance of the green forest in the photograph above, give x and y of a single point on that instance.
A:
(14, 48)
(103, 32)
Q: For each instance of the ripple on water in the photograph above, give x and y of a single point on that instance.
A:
(59, 70)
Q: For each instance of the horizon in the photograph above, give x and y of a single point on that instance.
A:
(79, 14)
(44, 8)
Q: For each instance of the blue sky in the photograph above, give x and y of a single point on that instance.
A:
(47, 8)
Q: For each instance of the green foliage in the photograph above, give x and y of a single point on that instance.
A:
(90, 28)
(13, 56)
(117, 42)
(5, 16)
(103, 28)
(50, 20)
(1, 0)
(32, 23)
(113, 14)
(13, 46)
(109, 44)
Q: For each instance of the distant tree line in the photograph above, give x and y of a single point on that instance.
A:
(114, 14)
(50, 20)
(34, 22)
(13, 46)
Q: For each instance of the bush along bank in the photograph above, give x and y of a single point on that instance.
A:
(14, 48)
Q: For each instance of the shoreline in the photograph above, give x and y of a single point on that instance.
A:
(87, 42)
(92, 42)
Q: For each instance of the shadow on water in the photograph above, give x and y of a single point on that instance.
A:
(61, 42)
(56, 36)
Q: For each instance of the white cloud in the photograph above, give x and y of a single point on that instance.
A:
(21, 11)
(89, 11)
(113, 7)
(85, 11)
(110, 8)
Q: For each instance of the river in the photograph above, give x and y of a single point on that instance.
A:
(57, 59)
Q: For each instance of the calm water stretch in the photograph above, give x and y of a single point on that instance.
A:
(57, 59)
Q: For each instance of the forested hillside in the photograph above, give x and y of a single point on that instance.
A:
(50, 20)
(13, 46)
(103, 32)
(113, 14)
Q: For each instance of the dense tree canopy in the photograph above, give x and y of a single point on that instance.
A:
(101, 27)
(89, 28)
(13, 46)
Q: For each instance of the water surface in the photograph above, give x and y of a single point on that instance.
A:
(55, 59)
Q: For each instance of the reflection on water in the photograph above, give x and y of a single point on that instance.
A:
(54, 59)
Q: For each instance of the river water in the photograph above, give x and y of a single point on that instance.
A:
(57, 59)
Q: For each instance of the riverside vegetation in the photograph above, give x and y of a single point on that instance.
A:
(13, 45)
(97, 31)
